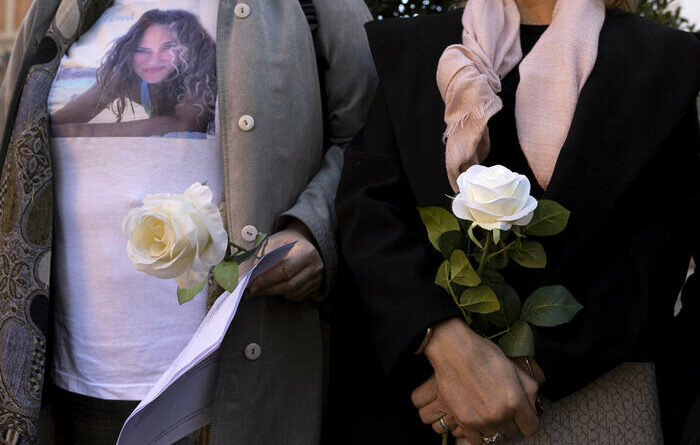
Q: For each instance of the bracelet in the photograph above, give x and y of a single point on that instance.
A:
(424, 343)
(538, 401)
(529, 367)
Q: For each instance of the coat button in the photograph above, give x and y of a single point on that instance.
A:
(246, 122)
(253, 351)
(248, 233)
(242, 10)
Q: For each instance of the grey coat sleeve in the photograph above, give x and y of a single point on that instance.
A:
(350, 84)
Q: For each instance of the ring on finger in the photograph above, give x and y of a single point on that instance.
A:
(443, 425)
(493, 439)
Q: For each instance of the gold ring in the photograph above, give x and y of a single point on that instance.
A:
(443, 425)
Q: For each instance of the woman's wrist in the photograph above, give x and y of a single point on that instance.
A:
(447, 336)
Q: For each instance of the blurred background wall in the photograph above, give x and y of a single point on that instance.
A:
(682, 14)
(12, 13)
(691, 9)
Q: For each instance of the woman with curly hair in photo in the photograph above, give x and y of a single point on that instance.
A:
(166, 62)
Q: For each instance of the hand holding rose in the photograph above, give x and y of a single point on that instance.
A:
(480, 390)
(477, 391)
(183, 237)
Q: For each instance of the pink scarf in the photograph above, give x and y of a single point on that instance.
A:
(551, 78)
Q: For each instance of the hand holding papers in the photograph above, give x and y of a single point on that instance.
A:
(182, 400)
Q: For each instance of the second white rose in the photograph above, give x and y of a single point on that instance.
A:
(176, 236)
(494, 198)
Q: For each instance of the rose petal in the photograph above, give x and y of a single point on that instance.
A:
(201, 197)
(465, 178)
(494, 225)
(483, 217)
(530, 207)
(460, 208)
(524, 216)
(501, 206)
(523, 189)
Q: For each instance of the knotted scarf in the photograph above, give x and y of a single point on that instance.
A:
(551, 78)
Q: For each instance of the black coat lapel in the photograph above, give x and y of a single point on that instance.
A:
(616, 133)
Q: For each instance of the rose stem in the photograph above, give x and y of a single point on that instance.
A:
(487, 244)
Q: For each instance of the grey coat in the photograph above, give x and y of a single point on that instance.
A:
(276, 170)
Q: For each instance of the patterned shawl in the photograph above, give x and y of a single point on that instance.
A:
(26, 199)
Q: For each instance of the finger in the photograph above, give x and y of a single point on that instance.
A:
(432, 412)
(287, 287)
(447, 419)
(458, 432)
(283, 272)
(530, 387)
(311, 286)
(510, 430)
(425, 393)
(533, 370)
(525, 412)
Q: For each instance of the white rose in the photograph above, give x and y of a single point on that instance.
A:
(176, 236)
(494, 198)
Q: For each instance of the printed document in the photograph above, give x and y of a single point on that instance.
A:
(182, 401)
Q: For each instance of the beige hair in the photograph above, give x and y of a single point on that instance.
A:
(625, 5)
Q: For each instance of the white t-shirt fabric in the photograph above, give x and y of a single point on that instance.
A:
(117, 329)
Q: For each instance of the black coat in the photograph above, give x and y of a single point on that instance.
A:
(629, 171)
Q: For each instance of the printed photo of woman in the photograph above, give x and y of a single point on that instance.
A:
(166, 63)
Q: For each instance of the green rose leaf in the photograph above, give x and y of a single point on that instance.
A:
(462, 271)
(492, 278)
(529, 254)
(550, 218)
(437, 221)
(185, 295)
(550, 306)
(259, 238)
(449, 242)
(519, 341)
(510, 305)
(226, 274)
(481, 299)
(442, 278)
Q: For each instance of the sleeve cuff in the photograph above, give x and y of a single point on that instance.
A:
(323, 239)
